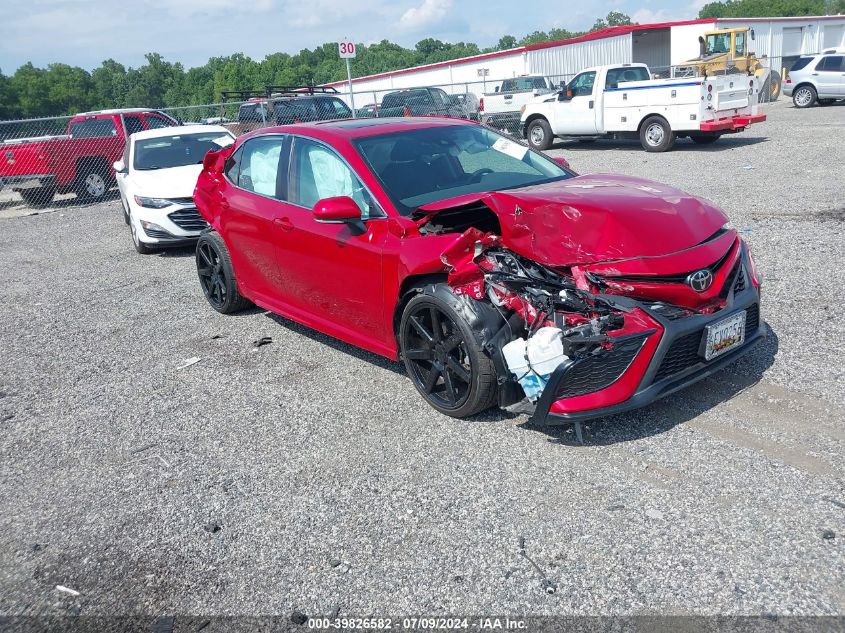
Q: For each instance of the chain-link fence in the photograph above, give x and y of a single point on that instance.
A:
(71, 159)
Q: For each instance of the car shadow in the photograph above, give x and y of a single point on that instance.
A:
(665, 414)
(346, 348)
(724, 144)
(57, 205)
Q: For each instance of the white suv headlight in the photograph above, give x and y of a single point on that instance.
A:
(152, 203)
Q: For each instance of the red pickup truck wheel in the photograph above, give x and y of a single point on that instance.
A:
(92, 182)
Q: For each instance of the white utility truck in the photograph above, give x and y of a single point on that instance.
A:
(622, 101)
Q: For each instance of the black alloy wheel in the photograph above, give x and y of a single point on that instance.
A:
(216, 275)
(212, 278)
(437, 356)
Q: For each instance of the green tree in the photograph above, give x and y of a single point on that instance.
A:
(773, 8)
(614, 18)
(109, 85)
(505, 42)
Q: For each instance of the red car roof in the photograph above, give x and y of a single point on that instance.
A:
(359, 128)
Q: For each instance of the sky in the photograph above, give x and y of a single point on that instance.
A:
(86, 32)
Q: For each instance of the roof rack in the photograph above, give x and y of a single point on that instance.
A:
(273, 91)
(241, 95)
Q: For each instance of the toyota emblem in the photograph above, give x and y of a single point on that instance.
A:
(700, 280)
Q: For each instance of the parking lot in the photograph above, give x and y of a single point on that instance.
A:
(306, 475)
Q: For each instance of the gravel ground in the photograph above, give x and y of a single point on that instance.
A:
(307, 475)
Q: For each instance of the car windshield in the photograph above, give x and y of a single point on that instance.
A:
(417, 167)
(178, 150)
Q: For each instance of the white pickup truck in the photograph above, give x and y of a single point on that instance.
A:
(622, 101)
(500, 109)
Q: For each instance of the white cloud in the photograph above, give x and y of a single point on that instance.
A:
(428, 14)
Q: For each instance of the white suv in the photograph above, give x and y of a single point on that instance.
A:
(816, 78)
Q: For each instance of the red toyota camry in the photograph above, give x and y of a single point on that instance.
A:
(497, 275)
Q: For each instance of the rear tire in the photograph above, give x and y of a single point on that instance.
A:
(804, 97)
(774, 86)
(40, 197)
(656, 134)
(442, 355)
(217, 276)
(92, 182)
(540, 134)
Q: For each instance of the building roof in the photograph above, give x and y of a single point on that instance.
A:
(611, 31)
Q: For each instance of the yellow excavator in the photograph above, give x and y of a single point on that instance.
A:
(725, 51)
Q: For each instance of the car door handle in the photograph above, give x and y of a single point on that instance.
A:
(284, 223)
(591, 104)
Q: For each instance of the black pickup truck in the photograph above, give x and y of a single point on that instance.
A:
(420, 102)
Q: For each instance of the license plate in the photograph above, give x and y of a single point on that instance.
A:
(724, 335)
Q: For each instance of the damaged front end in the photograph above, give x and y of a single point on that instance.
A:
(583, 341)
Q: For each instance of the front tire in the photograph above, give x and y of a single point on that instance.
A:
(804, 97)
(125, 206)
(140, 247)
(217, 276)
(442, 355)
(656, 135)
(540, 134)
(774, 86)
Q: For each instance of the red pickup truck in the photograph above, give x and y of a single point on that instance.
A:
(79, 161)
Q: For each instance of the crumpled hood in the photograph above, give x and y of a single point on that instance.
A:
(173, 182)
(596, 218)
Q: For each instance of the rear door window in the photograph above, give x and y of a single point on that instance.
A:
(616, 76)
(93, 128)
(133, 123)
(830, 64)
(259, 166)
(155, 122)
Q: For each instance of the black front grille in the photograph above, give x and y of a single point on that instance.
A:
(188, 220)
(598, 370)
(683, 352)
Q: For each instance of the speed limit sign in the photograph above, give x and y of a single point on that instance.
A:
(347, 49)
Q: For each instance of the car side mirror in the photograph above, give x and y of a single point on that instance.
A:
(560, 160)
(752, 34)
(336, 210)
(119, 167)
(565, 95)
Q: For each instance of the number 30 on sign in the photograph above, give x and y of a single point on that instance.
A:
(347, 49)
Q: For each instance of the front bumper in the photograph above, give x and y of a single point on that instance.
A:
(674, 364)
(502, 120)
(732, 124)
(178, 224)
